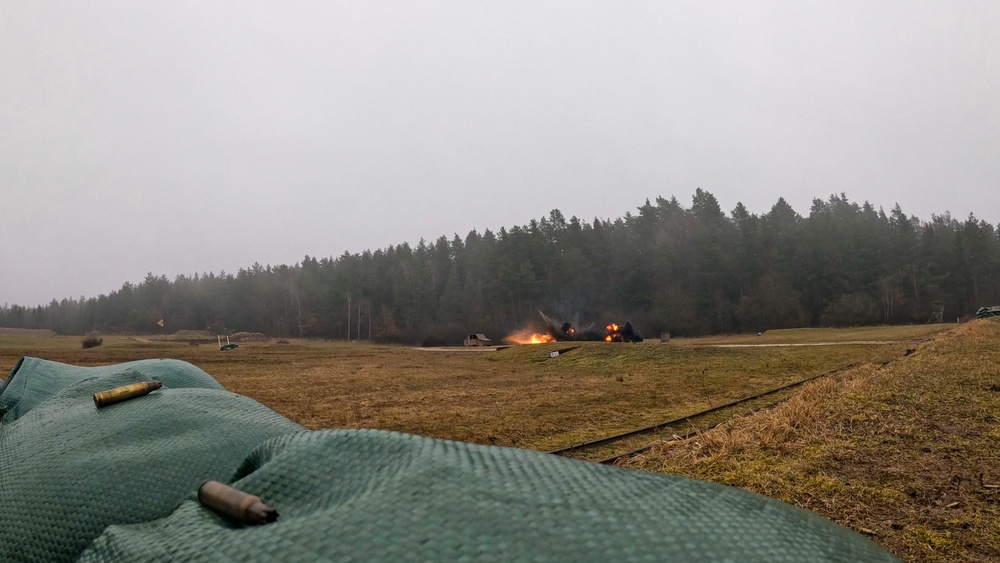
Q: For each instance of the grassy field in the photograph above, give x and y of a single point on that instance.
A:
(514, 397)
(827, 335)
(899, 447)
(904, 452)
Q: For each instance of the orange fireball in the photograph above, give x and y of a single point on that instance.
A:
(528, 337)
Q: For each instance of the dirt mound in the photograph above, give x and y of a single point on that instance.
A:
(27, 331)
(186, 334)
(249, 337)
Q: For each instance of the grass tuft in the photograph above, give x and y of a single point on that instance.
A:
(91, 340)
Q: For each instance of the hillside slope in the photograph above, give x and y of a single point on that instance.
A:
(906, 452)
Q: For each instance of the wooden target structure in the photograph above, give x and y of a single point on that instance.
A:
(937, 312)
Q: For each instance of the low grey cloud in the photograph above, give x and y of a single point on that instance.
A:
(182, 137)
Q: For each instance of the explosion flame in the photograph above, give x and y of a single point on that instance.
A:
(559, 332)
(528, 337)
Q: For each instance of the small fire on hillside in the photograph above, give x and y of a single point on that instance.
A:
(528, 337)
(565, 331)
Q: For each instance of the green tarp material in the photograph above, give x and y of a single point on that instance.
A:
(118, 484)
(986, 312)
(69, 470)
(41, 379)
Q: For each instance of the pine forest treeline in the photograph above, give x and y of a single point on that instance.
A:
(667, 268)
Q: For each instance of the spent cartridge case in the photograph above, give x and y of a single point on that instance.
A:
(235, 504)
(125, 392)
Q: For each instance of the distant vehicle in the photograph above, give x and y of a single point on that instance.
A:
(478, 339)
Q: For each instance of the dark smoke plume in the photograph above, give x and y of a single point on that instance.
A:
(629, 333)
(565, 331)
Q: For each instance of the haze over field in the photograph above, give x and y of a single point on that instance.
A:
(182, 137)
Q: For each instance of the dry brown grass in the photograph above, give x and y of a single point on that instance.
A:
(26, 331)
(900, 451)
(815, 335)
(512, 397)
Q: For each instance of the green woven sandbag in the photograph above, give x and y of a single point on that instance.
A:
(69, 470)
(365, 495)
(33, 380)
(987, 312)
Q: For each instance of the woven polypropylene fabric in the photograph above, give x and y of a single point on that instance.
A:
(383, 496)
(987, 312)
(69, 470)
(34, 380)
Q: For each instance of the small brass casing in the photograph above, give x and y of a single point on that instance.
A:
(235, 504)
(125, 392)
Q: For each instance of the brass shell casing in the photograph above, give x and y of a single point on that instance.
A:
(235, 504)
(125, 392)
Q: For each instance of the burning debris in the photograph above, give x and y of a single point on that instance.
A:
(526, 336)
(626, 333)
(565, 332)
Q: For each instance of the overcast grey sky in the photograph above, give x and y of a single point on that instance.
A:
(181, 137)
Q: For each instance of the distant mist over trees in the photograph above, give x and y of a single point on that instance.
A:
(666, 267)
